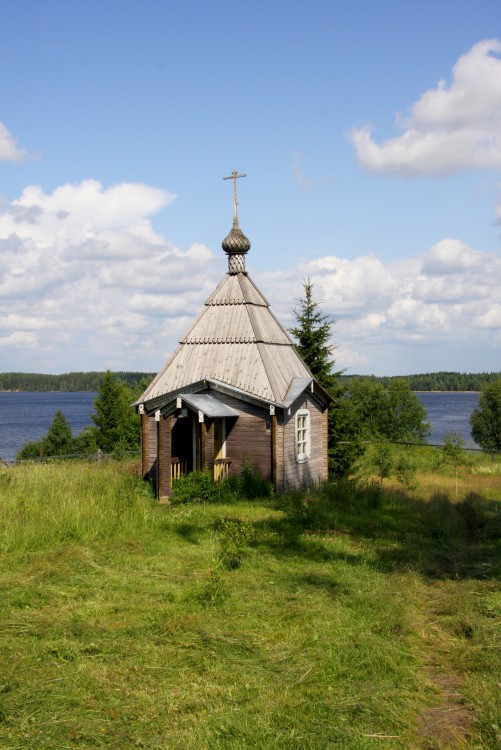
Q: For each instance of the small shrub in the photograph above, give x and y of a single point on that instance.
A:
(195, 487)
(213, 591)
(453, 454)
(405, 472)
(382, 461)
(235, 535)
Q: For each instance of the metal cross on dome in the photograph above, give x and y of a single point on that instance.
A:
(234, 176)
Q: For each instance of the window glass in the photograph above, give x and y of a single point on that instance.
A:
(302, 435)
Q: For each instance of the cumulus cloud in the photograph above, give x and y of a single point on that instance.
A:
(9, 150)
(450, 256)
(490, 318)
(19, 339)
(450, 128)
(86, 282)
(445, 299)
(80, 292)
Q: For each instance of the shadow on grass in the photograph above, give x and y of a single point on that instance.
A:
(286, 540)
(190, 532)
(393, 531)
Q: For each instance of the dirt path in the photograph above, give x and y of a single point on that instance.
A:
(447, 635)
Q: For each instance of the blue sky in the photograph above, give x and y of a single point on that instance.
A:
(370, 133)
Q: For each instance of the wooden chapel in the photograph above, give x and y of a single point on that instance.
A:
(235, 392)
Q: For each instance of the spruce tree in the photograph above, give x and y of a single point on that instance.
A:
(116, 422)
(59, 440)
(313, 334)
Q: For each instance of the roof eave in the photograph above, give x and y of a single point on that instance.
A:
(163, 400)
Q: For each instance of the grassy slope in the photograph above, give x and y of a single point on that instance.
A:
(121, 627)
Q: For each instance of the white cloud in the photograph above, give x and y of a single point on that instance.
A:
(450, 128)
(443, 300)
(9, 150)
(490, 318)
(119, 295)
(22, 339)
(451, 256)
(498, 209)
(86, 282)
(74, 213)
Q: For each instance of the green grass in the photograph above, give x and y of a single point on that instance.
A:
(340, 618)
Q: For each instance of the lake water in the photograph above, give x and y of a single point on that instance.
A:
(26, 416)
(449, 412)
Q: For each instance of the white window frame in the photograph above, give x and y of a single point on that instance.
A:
(302, 435)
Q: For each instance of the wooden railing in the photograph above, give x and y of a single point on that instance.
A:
(221, 468)
(178, 468)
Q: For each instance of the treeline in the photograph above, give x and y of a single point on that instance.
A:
(436, 381)
(90, 381)
(69, 382)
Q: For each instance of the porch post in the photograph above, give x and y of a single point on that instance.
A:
(274, 451)
(202, 446)
(209, 447)
(164, 482)
(144, 448)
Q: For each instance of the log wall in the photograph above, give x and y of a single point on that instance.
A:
(315, 469)
(164, 454)
(248, 438)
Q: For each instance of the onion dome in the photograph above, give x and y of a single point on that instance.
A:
(236, 241)
(235, 244)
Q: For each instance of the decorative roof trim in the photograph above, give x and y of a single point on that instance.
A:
(162, 401)
(164, 398)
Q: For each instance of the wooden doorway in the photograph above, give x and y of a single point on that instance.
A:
(182, 447)
(220, 464)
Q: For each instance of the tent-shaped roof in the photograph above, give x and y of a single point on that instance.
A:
(236, 340)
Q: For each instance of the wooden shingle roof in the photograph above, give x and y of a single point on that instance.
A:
(236, 340)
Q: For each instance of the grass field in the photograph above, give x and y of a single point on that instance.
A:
(347, 617)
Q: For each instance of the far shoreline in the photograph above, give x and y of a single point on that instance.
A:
(446, 391)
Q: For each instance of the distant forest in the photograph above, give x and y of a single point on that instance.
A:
(89, 381)
(70, 381)
(436, 381)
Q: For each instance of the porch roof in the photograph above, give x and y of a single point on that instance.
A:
(209, 405)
